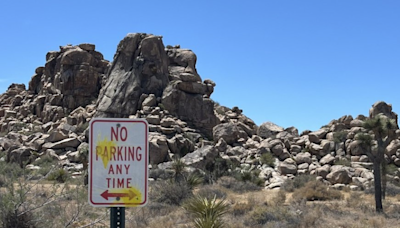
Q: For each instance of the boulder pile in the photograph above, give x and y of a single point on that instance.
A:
(161, 84)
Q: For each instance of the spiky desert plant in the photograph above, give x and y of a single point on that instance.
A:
(207, 212)
(194, 180)
(383, 130)
(178, 165)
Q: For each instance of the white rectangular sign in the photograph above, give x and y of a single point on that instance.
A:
(118, 162)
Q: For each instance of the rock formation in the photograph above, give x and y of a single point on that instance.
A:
(140, 67)
(161, 84)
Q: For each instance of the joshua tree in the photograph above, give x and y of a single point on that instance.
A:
(383, 130)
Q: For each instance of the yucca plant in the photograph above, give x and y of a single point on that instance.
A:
(194, 180)
(207, 212)
(178, 165)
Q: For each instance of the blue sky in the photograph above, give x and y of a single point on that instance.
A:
(294, 63)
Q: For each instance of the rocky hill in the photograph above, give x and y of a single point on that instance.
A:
(161, 84)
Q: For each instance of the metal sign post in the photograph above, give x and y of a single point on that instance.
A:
(117, 217)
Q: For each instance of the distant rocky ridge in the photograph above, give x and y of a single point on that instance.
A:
(161, 84)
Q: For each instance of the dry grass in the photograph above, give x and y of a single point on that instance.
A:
(259, 209)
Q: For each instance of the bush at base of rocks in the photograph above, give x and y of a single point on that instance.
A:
(249, 176)
(236, 185)
(297, 182)
(211, 191)
(169, 192)
(268, 159)
(280, 215)
(316, 190)
(391, 190)
(59, 175)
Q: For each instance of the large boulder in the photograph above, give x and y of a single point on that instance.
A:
(180, 145)
(301, 158)
(339, 175)
(68, 142)
(140, 66)
(227, 131)
(158, 148)
(288, 167)
(382, 107)
(355, 148)
(393, 147)
(20, 155)
(202, 157)
(268, 129)
(192, 108)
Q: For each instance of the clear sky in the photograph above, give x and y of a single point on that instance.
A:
(291, 62)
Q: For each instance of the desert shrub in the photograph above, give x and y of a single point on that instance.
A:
(355, 200)
(236, 185)
(249, 176)
(391, 190)
(240, 209)
(297, 182)
(194, 180)
(391, 169)
(11, 169)
(163, 174)
(169, 192)
(219, 168)
(280, 215)
(279, 199)
(59, 175)
(207, 212)
(12, 219)
(268, 159)
(44, 160)
(316, 190)
(3, 180)
(210, 191)
(178, 165)
(344, 162)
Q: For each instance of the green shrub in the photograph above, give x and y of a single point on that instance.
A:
(178, 165)
(268, 159)
(391, 190)
(249, 176)
(45, 160)
(391, 169)
(344, 162)
(240, 209)
(279, 215)
(297, 182)
(316, 190)
(207, 212)
(169, 192)
(59, 175)
(279, 199)
(210, 191)
(220, 167)
(236, 185)
(12, 170)
(12, 219)
(194, 180)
